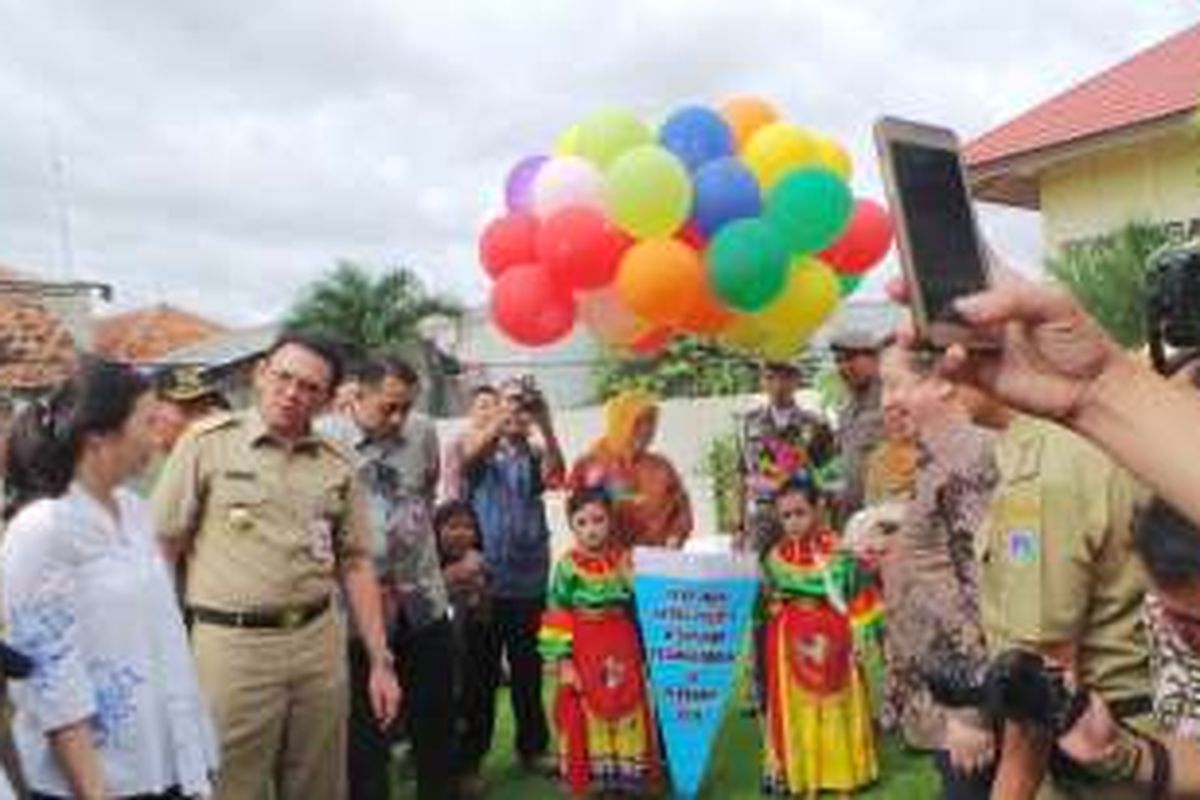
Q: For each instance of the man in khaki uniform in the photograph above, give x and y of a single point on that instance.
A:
(270, 519)
(860, 419)
(1058, 576)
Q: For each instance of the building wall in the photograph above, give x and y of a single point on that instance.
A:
(686, 427)
(1156, 181)
(562, 370)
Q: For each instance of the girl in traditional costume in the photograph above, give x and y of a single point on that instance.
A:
(818, 729)
(606, 734)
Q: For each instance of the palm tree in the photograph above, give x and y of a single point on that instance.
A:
(369, 313)
(1109, 277)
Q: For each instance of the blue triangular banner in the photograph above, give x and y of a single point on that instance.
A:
(693, 609)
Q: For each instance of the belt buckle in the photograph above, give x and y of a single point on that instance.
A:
(292, 618)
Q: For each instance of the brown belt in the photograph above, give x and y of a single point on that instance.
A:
(282, 618)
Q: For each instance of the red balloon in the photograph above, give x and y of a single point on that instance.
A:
(580, 248)
(530, 307)
(508, 241)
(690, 235)
(866, 241)
(652, 342)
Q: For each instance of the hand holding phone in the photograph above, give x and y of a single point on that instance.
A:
(936, 232)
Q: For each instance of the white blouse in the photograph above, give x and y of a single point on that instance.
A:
(88, 597)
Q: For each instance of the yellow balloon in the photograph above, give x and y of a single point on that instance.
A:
(776, 149)
(568, 142)
(811, 295)
(835, 158)
(744, 333)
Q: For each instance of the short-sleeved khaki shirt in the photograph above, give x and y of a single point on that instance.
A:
(264, 523)
(1057, 563)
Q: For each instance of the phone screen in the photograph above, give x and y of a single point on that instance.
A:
(945, 251)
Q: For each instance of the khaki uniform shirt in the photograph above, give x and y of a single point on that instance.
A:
(1056, 557)
(264, 523)
(860, 429)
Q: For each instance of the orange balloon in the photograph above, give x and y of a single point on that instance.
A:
(661, 280)
(708, 316)
(745, 115)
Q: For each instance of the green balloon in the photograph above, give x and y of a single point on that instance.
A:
(607, 134)
(810, 208)
(648, 192)
(747, 264)
(848, 283)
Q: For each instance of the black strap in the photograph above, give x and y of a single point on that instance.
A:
(1160, 762)
(286, 618)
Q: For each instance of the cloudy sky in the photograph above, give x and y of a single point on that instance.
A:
(219, 154)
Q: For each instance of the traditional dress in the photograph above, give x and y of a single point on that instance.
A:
(818, 724)
(605, 729)
(650, 504)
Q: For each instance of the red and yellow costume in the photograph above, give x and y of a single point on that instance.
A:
(818, 732)
(607, 737)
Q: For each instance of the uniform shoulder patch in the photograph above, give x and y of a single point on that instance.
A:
(213, 422)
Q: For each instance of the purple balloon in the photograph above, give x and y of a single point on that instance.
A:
(518, 189)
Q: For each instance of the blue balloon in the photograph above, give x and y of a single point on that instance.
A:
(725, 190)
(696, 135)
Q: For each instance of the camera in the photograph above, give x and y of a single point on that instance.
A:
(1017, 685)
(529, 397)
(1173, 305)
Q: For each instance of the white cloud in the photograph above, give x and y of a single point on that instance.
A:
(222, 154)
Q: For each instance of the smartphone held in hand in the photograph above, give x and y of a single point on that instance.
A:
(939, 243)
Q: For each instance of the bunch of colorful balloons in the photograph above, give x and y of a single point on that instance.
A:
(727, 223)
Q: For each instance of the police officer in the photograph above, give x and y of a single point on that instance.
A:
(271, 519)
(776, 441)
(1058, 576)
(860, 419)
(185, 394)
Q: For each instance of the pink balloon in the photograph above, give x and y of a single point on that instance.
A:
(530, 308)
(507, 241)
(580, 248)
(608, 318)
(567, 181)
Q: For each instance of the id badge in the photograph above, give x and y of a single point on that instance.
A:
(321, 540)
(1022, 524)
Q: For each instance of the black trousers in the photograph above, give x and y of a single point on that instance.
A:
(512, 631)
(956, 786)
(422, 657)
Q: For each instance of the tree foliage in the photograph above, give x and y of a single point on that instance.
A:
(1108, 276)
(688, 367)
(370, 313)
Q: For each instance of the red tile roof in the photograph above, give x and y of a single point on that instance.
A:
(36, 349)
(147, 334)
(1160, 82)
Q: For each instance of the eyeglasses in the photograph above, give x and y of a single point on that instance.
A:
(301, 384)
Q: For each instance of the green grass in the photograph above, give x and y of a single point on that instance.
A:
(733, 773)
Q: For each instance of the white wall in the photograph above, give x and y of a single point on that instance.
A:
(686, 426)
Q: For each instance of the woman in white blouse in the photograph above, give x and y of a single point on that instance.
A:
(112, 709)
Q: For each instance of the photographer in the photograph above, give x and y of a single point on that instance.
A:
(1057, 363)
(504, 474)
